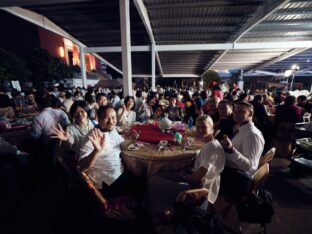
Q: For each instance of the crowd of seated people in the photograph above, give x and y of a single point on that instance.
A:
(235, 126)
(14, 104)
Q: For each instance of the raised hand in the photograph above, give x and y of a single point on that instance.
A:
(124, 107)
(97, 138)
(59, 133)
(226, 143)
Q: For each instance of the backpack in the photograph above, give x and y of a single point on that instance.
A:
(193, 220)
(256, 208)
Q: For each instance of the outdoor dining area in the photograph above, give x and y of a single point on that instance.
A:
(157, 151)
(162, 144)
(155, 117)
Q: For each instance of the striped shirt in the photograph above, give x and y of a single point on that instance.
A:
(108, 166)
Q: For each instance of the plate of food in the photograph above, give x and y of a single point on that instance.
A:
(133, 147)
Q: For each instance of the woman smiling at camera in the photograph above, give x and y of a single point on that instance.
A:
(75, 132)
(126, 114)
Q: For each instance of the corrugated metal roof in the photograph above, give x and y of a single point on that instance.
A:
(190, 62)
(292, 22)
(96, 23)
(303, 60)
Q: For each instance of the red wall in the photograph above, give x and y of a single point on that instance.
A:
(51, 42)
(97, 64)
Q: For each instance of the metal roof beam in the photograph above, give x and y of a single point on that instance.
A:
(275, 45)
(181, 75)
(234, 22)
(194, 47)
(204, 47)
(303, 13)
(201, 18)
(157, 7)
(235, 46)
(116, 49)
(167, 75)
(280, 29)
(197, 36)
(262, 13)
(301, 1)
(267, 73)
(278, 59)
(197, 27)
(139, 4)
(293, 11)
(290, 22)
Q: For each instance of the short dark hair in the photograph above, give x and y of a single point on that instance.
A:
(151, 96)
(302, 98)
(55, 102)
(138, 94)
(226, 102)
(80, 103)
(258, 98)
(103, 109)
(68, 94)
(43, 99)
(289, 100)
(246, 104)
(174, 96)
(127, 100)
(99, 95)
(89, 98)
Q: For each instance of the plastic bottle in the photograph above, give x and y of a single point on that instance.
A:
(178, 137)
(190, 122)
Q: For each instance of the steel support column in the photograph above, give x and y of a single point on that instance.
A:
(153, 68)
(83, 67)
(124, 7)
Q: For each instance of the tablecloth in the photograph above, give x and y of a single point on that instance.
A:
(151, 133)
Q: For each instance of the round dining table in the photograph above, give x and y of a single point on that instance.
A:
(148, 157)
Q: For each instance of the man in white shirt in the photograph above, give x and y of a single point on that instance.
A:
(115, 99)
(68, 102)
(43, 146)
(100, 157)
(242, 154)
(49, 117)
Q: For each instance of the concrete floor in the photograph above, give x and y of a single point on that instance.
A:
(41, 205)
(292, 196)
